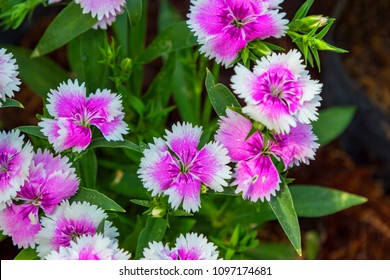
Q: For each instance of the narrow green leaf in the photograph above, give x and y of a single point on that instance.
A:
(134, 11)
(141, 202)
(154, 231)
(332, 122)
(272, 251)
(103, 143)
(303, 10)
(220, 96)
(283, 208)
(181, 213)
(317, 201)
(27, 254)
(68, 24)
(32, 130)
(121, 29)
(39, 74)
(84, 57)
(88, 169)
(175, 37)
(98, 199)
(11, 103)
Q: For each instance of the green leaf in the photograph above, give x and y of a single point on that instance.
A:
(175, 37)
(11, 103)
(134, 11)
(98, 199)
(32, 130)
(84, 57)
(272, 251)
(317, 201)
(303, 10)
(283, 208)
(39, 74)
(27, 254)
(68, 24)
(141, 202)
(154, 231)
(88, 169)
(220, 96)
(332, 122)
(103, 143)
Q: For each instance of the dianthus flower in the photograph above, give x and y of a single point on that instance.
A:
(256, 175)
(96, 247)
(175, 167)
(15, 159)
(224, 27)
(190, 247)
(279, 92)
(50, 180)
(9, 83)
(67, 223)
(74, 113)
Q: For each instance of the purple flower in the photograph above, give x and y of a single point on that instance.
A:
(190, 247)
(177, 168)
(50, 180)
(9, 83)
(256, 175)
(224, 27)
(87, 247)
(67, 223)
(15, 158)
(74, 113)
(279, 92)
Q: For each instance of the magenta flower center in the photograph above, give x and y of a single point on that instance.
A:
(69, 230)
(5, 165)
(279, 87)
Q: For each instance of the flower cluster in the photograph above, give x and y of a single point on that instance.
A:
(174, 166)
(224, 27)
(190, 247)
(9, 83)
(74, 113)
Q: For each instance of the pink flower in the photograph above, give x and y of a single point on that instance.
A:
(190, 247)
(279, 92)
(224, 27)
(67, 223)
(256, 175)
(9, 83)
(15, 158)
(50, 180)
(175, 167)
(88, 247)
(74, 113)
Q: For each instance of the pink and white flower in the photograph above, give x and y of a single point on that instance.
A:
(74, 113)
(15, 159)
(88, 247)
(256, 175)
(67, 223)
(50, 180)
(279, 92)
(177, 168)
(9, 82)
(224, 27)
(189, 247)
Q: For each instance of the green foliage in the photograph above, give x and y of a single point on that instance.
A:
(9, 103)
(69, 23)
(27, 254)
(97, 198)
(332, 122)
(154, 230)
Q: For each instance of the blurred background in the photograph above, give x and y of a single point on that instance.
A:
(357, 162)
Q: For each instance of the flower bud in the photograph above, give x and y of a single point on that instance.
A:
(260, 49)
(158, 211)
(126, 65)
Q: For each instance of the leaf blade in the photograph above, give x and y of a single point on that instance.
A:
(98, 199)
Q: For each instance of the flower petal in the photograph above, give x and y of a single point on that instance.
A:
(21, 222)
(195, 247)
(185, 189)
(257, 178)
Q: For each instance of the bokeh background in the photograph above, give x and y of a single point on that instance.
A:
(357, 162)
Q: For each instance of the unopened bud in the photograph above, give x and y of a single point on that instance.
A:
(158, 211)
(258, 126)
(260, 49)
(203, 189)
(126, 65)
